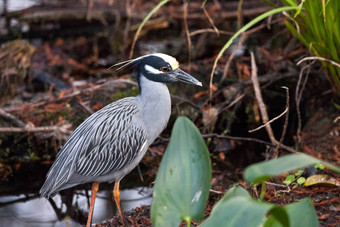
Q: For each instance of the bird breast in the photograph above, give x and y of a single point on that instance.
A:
(155, 103)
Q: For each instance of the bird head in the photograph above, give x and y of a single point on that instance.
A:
(159, 68)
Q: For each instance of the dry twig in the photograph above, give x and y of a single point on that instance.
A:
(239, 15)
(285, 125)
(209, 18)
(239, 88)
(232, 55)
(58, 131)
(336, 119)
(62, 128)
(187, 33)
(298, 95)
(263, 109)
(12, 118)
(209, 30)
(320, 59)
(161, 140)
(258, 95)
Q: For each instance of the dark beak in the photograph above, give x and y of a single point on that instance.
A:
(180, 75)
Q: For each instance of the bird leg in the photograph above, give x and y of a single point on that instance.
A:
(94, 190)
(116, 196)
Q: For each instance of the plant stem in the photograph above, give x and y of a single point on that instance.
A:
(263, 190)
(188, 220)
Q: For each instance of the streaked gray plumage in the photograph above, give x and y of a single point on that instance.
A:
(112, 141)
(103, 143)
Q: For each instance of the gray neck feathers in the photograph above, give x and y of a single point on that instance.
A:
(155, 105)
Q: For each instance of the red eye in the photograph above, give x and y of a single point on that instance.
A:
(165, 69)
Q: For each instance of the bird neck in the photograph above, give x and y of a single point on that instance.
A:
(155, 103)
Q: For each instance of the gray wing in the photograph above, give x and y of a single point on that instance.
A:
(105, 142)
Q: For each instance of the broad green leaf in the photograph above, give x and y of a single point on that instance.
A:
(232, 193)
(238, 211)
(278, 217)
(262, 171)
(183, 179)
(301, 213)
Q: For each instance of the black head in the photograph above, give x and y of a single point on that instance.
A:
(160, 68)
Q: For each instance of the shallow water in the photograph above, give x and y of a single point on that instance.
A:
(39, 212)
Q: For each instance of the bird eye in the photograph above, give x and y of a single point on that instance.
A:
(165, 69)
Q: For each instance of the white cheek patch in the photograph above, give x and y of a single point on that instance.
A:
(152, 69)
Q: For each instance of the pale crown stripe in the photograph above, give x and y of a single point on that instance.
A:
(171, 60)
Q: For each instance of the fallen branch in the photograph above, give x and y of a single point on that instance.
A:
(12, 118)
(71, 95)
(62, 128)
(161, 140)
(58, 131)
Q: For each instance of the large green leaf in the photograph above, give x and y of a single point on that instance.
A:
(301, 213)
(237, 208)
(233, 192)
(262, 171)
(183, 179)
(238, 211)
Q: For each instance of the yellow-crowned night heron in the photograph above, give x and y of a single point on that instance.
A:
(112, 141)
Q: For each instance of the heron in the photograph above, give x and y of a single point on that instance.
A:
(112, 141)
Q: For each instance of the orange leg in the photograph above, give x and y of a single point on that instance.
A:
(95, 187)
(116, 196)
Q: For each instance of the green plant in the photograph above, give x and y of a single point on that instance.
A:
(243, 29)
(319, 166)
(260, 172)
(154, 10)
(237, 208)
(183, 179)
(183, 182)
(295, 177)
(316, 24)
